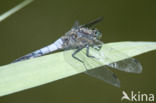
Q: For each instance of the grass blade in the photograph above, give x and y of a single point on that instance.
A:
(15, 9)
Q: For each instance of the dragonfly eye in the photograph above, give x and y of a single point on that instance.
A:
(98, 34)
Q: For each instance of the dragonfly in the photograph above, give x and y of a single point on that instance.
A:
(86, 36)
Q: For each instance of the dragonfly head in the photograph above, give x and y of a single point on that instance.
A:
(97, 34)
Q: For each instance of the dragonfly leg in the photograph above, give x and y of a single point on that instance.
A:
(98, 47)
(73, 55)
(87, 52)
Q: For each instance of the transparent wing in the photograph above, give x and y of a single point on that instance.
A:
(128, 65)
(105, 75)
(104, 56)
(92, 22)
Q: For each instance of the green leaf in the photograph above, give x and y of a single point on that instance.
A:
(34, 72)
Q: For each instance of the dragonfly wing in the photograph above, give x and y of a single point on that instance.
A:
(128, 65)
(88, 25)
(105, 75)
(125, 63)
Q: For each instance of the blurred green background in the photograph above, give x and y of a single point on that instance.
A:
(44, 21)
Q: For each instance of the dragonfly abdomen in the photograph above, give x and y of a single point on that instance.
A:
(45, 50)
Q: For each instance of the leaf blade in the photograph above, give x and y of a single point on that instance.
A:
(35, 72)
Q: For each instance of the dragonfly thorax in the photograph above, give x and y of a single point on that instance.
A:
(80, 37)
